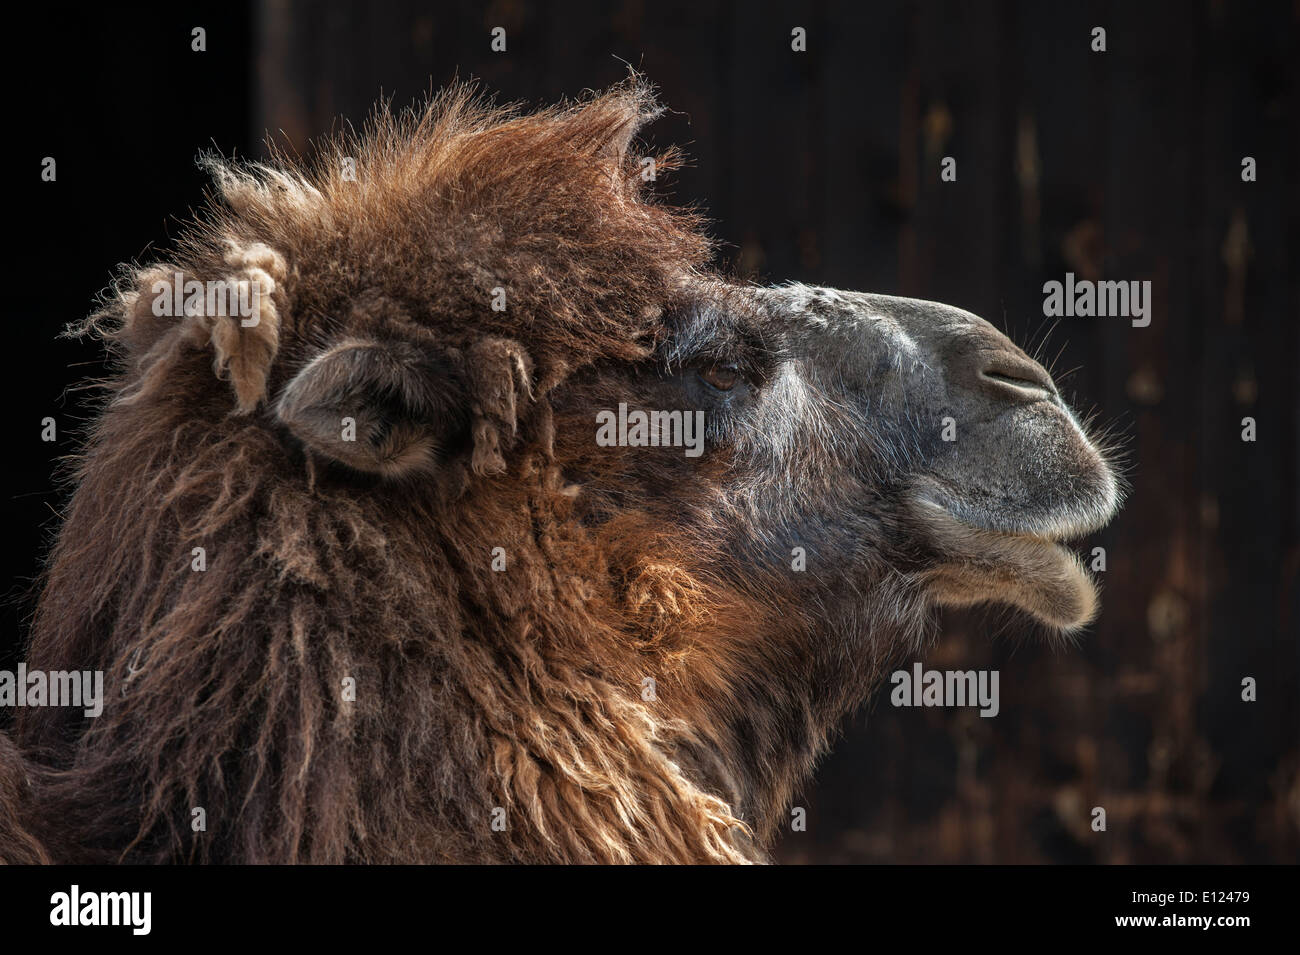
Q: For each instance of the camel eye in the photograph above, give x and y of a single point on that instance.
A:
(721, 377)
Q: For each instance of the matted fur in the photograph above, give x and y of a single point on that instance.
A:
(475, 690)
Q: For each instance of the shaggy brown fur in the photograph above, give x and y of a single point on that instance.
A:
(481, 694)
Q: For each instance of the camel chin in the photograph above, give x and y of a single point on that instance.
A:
(975, 565)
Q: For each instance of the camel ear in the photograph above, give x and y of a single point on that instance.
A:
(385, 408)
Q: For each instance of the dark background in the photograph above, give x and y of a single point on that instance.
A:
(823, 167)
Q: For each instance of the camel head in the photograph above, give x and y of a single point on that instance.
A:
(844, 431)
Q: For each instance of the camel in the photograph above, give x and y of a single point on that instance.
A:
(478, 518)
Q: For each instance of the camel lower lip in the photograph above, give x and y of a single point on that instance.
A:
(1035, 572)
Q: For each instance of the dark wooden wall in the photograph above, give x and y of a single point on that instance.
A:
(824, 167)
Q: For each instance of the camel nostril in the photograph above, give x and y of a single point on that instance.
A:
(1023, 376)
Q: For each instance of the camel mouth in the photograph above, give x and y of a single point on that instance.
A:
(1026, 566)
